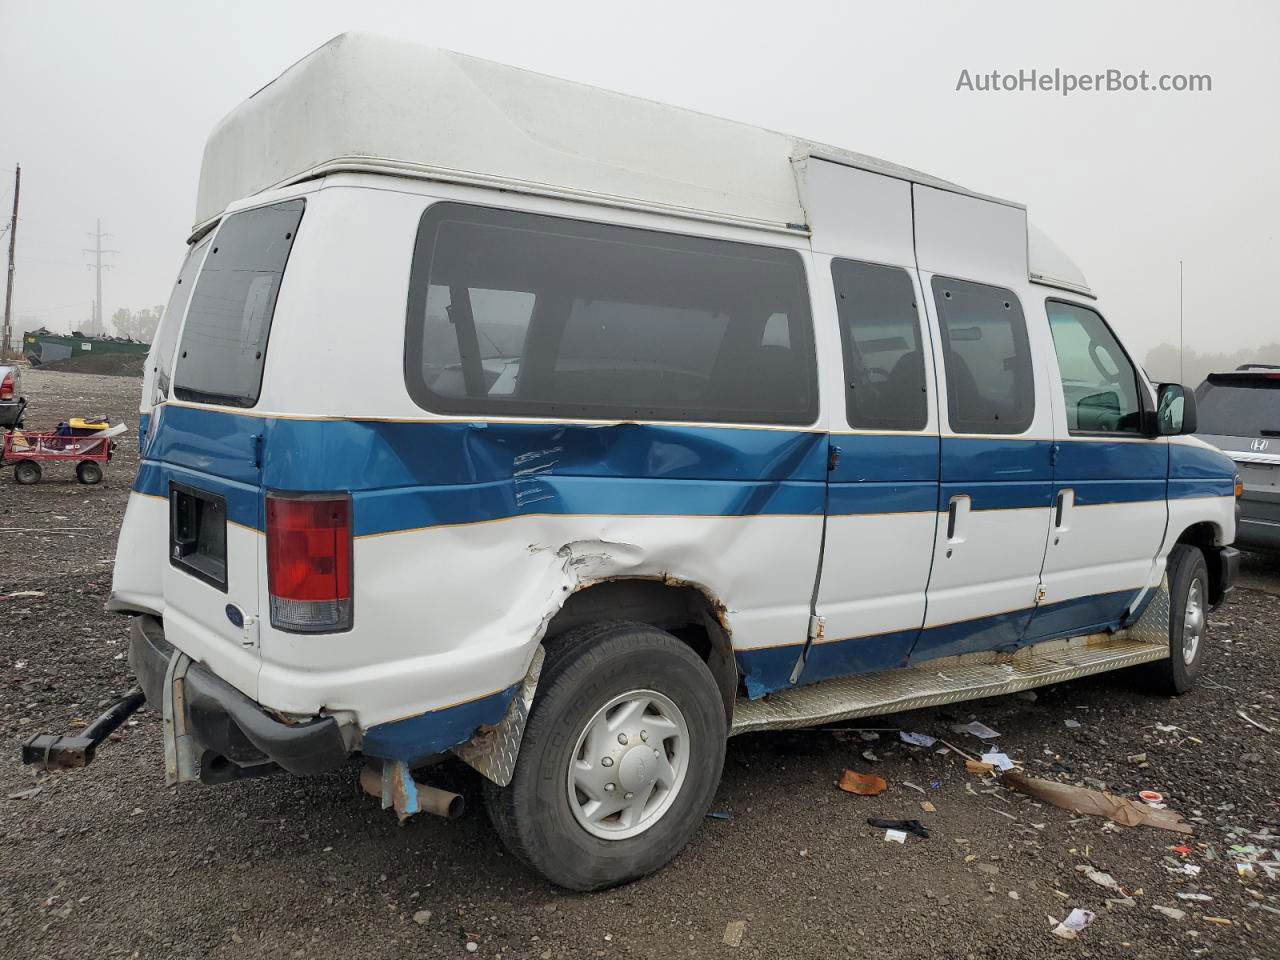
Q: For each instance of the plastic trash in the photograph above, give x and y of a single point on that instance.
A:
(1076, 921)
(908, 826)
(917, 739)
(979, 730)
(895, 836)
(863, 784)
(733, 931)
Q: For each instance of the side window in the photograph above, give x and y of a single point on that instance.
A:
(1099, 384)
(171, 320)
(521, 314)
(224, 341)
(883, 356)
(987, 357)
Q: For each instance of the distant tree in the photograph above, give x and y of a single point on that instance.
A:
(141, 325)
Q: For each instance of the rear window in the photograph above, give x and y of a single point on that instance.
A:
(521, 314)
(224, 341)
(1239, 405)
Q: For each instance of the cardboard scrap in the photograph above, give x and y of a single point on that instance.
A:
(733, 931)
(1129, 813)
(977, 766)
(863, 784)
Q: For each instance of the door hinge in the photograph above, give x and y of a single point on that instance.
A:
(1053, 454)
(817, 628)
(256, 439)
(833, 458)
(1041, 593)
(249, 633)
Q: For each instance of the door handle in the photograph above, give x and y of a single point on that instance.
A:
(957, 507)
(1065, 499)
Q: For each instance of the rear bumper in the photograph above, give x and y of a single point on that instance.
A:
(235, 736)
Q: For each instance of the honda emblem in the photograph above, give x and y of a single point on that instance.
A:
(1259, 445)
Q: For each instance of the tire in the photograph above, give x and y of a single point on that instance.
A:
(1188, 610)
(586, 669)
(88, 472)
(26, 472)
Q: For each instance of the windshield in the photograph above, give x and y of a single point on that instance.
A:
(1239, 405)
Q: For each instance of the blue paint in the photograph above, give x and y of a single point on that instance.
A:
(1197, 471)
(417, 738)
(144, 423)
(838, 658)
(1079, 616)
(768, 670)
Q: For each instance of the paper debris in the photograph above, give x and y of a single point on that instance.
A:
(863, 784)
(1100, 878)
(1173, 913)
(1167, 727)
(998, 760)
(1193, 896)
(1122, 810)
(733, 931)
(979, 730)
(1076, 921)
(896, 836)
(917, 739)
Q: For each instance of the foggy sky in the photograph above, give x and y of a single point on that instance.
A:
(107, 107)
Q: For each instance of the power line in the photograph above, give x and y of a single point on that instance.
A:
(97, 326)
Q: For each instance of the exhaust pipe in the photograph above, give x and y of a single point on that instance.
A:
(393, 783)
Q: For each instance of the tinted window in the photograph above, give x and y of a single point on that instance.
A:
(171, 319)
(1099, 384)
(224, 341)
(987, 357)
(515, 313)
(883, 360)
(1239, 405)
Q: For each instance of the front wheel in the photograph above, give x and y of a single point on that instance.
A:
(620, 759)
(27, 472)
(1188, 577)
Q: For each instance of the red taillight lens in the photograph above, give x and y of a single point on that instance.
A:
(6, 387)
(309, 562)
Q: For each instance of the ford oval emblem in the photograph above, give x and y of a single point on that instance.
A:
(235, 615)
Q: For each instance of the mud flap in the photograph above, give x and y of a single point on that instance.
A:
(181, 764)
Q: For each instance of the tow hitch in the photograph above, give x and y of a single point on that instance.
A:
(69, 751)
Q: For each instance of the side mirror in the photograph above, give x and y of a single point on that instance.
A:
(1175, 410)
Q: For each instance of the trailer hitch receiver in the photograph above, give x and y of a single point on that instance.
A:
(53, 752)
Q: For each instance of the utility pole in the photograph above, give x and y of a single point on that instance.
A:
(8, 290)
(1182, 347)
(97, 251)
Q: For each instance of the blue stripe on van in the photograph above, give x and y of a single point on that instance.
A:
(770, 669)
(1197, 471)
(417, 738)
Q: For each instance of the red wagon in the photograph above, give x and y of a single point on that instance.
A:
(26, 451)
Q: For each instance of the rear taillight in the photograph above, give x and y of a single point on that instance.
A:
(6, 387)
(1239, 486)
(309, 562)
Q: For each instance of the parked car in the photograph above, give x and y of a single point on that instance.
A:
(12, 402)
(668, 428)
(1240, 414)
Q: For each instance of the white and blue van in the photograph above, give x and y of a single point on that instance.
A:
(570, 433)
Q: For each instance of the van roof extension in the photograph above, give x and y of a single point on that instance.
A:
(366, 103)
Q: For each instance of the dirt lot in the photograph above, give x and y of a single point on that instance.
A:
(107, 862)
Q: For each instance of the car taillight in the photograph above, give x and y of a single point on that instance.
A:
(6, 387)
(1239, 486)
(309, 562)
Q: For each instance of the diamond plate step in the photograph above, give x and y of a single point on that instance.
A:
(968, 677)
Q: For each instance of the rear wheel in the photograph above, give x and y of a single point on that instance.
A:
(1188, 576)
(620, 759)
(27, 472)
(88, 472)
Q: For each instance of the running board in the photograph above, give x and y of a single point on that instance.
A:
(967, 677)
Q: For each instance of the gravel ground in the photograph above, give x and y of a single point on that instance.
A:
(108, 862)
